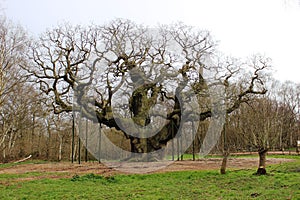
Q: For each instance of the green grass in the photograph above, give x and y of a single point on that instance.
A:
(252, 155)
(190, 156)
(281, 183)
(6, 165)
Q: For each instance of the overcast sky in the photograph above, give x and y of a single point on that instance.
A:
(242, 27)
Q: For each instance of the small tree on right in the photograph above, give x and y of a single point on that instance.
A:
(260, 124)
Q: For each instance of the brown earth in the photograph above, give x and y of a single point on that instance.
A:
(56, 170)
(68, 169)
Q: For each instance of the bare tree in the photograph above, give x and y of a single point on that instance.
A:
(288, 98)
(13, 44)
(19, 118)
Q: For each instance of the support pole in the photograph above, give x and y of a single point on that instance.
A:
(79, 141)
(172, 129)
(178, 150)
(99, 143)
(79, 149)
(86, 140)
(73, 138)
(181, 144)
(193, 133)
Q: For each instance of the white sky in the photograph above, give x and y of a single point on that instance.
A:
(242, 27)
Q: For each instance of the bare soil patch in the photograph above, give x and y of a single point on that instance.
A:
(67, 169)
(57, 170)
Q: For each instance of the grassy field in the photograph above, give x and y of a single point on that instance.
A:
(282, 182)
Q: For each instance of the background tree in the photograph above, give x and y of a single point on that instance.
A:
(265, 123)
(13, 45)
(288, 97)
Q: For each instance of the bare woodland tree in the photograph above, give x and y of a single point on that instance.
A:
(265, 123)
(263, 116)
(289, 99)
(159, 66)
(13, 44)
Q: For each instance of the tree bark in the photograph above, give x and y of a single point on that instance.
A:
(262, 162)
(145, 146)
(140, 105)
(224, 162)
(60, 148)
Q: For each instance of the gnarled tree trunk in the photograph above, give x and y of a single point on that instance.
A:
(147, 146)
(140, 105)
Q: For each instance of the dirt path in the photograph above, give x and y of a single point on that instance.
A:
(69, 169)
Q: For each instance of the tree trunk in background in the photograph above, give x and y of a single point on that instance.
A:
(224, 162)
(39, 148)
(4, 154)
(48, 142)
(79, 150)
(262, 162)
(32, 134)
(60, 148)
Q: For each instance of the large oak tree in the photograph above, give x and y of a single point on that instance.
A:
(116, 75)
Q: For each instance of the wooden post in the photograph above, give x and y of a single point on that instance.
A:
(79, 134)
(181, 139)
(86, 140)
(32, 132)
(178, 152)
(79, 149)
(172, 129)
(193, 133)
(99, 143)
(73, 138)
